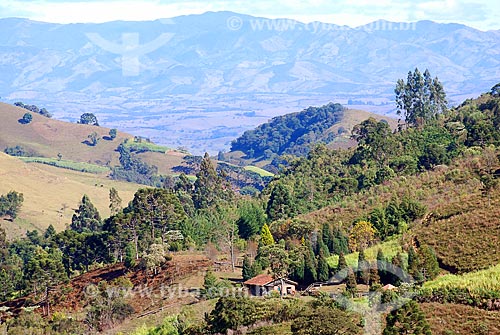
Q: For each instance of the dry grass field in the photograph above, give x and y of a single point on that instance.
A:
(51, 194)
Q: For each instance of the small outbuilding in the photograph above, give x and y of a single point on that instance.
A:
(389, 287)
(264, 284)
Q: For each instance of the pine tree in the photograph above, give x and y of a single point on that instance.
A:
(396, 270)
(351, 285)
(323, 269)
(342, 263)
(310, 273)
(327, 237)
(408, 319)
(428, 264)
(340, 243)
(6, 285)
(266, 238)
(247, 268)
(130, 256)
(363, 273)
(374, 276)
(4, 252)
(45, 270)
(412, 260)
(381, 264)
(299, 268)
(115, 202)
(252, 218)
(209, 187)
(280, 204)
(50, 232)
(321, 246)
(86, 217)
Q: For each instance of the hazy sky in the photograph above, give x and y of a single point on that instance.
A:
(480, 14)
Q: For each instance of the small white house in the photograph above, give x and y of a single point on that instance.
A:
(263, 284)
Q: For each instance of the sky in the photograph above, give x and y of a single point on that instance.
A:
(479, 14)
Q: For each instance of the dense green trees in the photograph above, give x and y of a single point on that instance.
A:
(291, 133)
(280, 204)
(423, 264)
(133, 169)
(10, 204)
(158, 209)
(420, 98)
(44, 271)
(251, 219)
(34, 109)
(19, 150)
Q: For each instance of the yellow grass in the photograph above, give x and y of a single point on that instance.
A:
(51, 194)
(259, 171)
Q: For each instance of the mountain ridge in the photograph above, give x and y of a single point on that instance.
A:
(193, 90)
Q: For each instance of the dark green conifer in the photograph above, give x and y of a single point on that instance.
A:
(408, 319)
(323, 269)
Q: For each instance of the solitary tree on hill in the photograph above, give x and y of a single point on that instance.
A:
(93, 138)
(420, 98)
(112, 133)
(86, 217)
(27, 118)
(89, 118)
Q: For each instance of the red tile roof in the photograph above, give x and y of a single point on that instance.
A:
(259, 280)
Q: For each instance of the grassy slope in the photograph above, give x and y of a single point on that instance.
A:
(488, 279)
(47, 190)
(451, 319)
(464, 229)
(468, 240)
(48, 137)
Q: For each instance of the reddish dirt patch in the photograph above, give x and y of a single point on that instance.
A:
(74, 295)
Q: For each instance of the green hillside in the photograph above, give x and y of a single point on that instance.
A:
(296, 133)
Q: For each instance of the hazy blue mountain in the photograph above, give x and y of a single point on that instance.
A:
(203, 74)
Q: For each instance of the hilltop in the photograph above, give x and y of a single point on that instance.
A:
(47, 137)
(297, 133)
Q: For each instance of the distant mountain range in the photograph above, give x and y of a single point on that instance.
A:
(199, 81)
